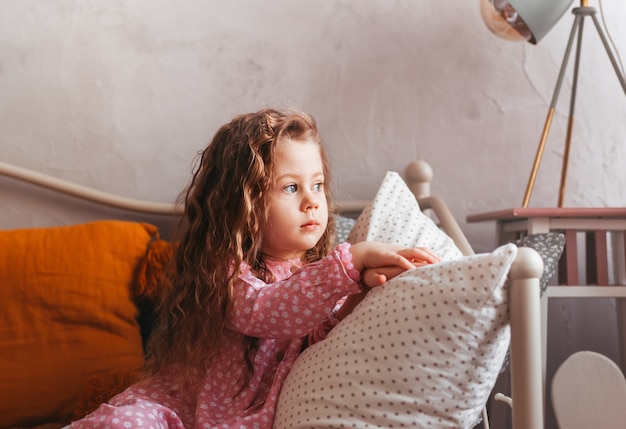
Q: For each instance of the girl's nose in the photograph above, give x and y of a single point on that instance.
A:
(310, 202)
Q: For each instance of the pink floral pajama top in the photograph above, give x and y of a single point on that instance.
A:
(281, 315)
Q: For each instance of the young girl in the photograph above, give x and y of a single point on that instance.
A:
(256, 279)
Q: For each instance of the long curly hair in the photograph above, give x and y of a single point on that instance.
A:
(225, 208)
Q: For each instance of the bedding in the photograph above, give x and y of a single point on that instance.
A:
(423, 350)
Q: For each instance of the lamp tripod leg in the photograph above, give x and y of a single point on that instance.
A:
(548, 123)
(538, 156)
(592, 13)
(570, 124)
(568, 140)
(618, 72)
(579, 13)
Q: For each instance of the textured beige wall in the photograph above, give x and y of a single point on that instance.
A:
(120, 95)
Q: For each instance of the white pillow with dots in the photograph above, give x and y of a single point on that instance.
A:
(394, 216)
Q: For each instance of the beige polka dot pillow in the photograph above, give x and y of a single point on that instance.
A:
(394, 216)
(424, 350)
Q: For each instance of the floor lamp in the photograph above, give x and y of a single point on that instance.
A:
(531, 19)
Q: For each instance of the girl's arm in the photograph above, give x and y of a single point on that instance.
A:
(296, 306)
(388, 259)
(303, 304)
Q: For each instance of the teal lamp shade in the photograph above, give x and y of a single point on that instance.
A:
(527, 20)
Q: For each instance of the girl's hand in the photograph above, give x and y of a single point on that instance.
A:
(372, 277)
(379, 262)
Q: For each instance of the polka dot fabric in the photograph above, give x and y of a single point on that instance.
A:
(423, 350)
(394, 216)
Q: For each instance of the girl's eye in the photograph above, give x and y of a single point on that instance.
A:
(318, 186)
(290, 189)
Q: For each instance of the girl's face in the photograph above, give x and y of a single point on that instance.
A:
(298, 210)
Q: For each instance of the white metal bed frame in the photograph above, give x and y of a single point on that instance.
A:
(526, 370)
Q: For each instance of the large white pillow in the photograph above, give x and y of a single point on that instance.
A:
(423, 350)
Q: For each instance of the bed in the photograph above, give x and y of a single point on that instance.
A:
(521, 269)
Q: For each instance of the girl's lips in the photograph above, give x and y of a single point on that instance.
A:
(311, 225)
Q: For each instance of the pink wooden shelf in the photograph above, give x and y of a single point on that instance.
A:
(596, 222)
(594, 225)
(517, 213)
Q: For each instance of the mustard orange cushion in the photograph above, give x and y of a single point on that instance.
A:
(67, 314)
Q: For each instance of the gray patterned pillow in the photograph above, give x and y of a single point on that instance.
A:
(549, 245)
(343, 225)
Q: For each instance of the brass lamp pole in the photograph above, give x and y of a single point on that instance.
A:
(577, 32)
